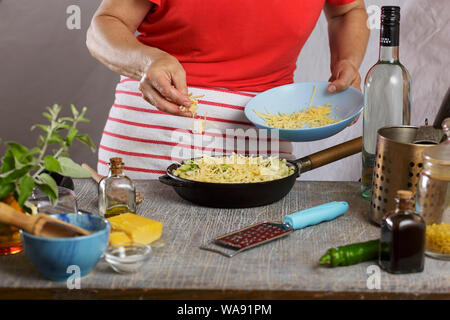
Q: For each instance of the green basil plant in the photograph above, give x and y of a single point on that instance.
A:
(23, 169)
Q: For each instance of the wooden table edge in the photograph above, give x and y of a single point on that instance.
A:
(207, 294)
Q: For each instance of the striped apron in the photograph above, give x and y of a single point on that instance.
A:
(149, 140)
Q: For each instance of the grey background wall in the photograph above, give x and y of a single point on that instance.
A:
(43, 62)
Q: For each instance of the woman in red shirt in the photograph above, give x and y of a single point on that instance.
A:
(223, 53)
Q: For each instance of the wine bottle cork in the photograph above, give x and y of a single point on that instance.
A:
(404, 194)
(404, 198)
(116, 165)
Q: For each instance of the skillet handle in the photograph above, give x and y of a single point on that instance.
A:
(330, 155)
(170, 182)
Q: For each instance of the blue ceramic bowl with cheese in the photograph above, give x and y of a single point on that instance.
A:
(60, 258)
(345, 106)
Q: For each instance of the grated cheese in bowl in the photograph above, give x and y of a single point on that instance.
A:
(311, 117)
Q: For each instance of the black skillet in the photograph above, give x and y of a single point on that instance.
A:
(245, 195)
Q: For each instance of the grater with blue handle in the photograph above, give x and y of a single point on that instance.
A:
(235, 242)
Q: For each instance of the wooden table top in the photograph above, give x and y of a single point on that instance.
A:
(283, 269)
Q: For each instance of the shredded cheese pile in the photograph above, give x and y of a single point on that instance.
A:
(234, 169)
(438, 238)
(311, 117)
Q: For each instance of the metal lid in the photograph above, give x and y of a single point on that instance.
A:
(390, 14)
(440, 154)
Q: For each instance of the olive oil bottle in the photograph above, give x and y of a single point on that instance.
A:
(116, 192)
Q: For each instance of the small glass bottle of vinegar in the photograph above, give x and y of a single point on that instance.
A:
(402, 243)
(116, 192)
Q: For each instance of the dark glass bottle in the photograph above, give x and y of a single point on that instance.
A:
(402, 243)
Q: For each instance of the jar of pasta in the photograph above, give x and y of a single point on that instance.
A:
(433, 197)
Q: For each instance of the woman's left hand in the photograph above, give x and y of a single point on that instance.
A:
(344, 74)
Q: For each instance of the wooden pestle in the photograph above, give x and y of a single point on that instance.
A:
(40, 224)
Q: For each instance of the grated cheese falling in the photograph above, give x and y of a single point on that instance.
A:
(312, 97)
(194, 106)
(198, 126)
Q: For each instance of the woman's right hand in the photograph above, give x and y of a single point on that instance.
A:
(111, 40)
(164, 85)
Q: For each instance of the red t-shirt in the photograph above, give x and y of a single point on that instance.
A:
(249, 45)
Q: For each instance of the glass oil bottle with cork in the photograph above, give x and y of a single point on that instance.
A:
(116, 191)
(402, 243)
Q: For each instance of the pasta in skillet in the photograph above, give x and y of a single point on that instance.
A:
(234, 169)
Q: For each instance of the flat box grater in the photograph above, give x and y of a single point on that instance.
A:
(235, 242)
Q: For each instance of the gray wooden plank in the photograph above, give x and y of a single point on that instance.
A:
(283, 266)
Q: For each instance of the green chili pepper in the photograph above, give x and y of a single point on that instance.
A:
(351, 254)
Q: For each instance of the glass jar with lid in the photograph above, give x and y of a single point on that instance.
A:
(433, 197)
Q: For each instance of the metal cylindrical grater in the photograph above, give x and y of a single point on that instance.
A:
(398, 163)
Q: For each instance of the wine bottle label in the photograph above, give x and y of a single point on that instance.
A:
(389, 36)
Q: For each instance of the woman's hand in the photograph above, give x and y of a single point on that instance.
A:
(344, 74)
(164, 85)
(348, 36)
(111, 40)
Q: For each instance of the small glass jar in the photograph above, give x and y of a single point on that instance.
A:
(128, 257)
(433, 197)
(67, 202)
(116, 192)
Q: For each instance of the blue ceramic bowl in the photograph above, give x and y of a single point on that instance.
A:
(54, 256)
(345, 106)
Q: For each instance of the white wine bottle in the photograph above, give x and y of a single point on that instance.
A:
(387, 93)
